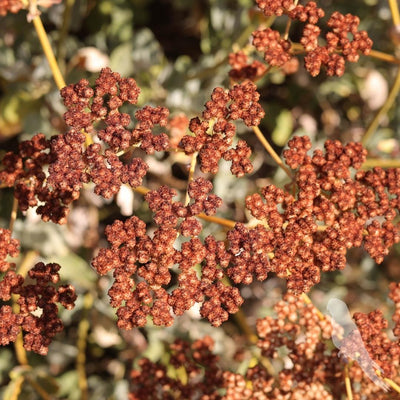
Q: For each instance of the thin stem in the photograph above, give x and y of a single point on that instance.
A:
(392, 384)
(83, 330)
(347, 382)
(271, 151)
(190, 177)
(217, 220)
(17, 387)
(383, 111)
(23, 269)
(298, 48)
(394, 9)
(380, 162)
(39, 390)
(142, 190)
(289, 23)
(48, 52)
(384, 56)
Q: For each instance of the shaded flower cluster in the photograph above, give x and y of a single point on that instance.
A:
(41, 293)
(305, 334)
(336, 207)
(242, 69)
(344, 42)
(214, 134)
(12, 6)
(309, 367)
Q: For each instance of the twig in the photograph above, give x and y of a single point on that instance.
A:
(347, 382)
(271, 151)
(394, 9)
(83, 329)
(381, 162)
(23, 269)
(48, 52)
(384, 56)
(385, 108)
(190, 177)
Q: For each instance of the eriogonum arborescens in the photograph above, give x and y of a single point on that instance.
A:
(334, 206)
(331, 206)
(213, 135)
(343, 42)
(41, 294)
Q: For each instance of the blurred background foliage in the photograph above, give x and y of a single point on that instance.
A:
(177, 50)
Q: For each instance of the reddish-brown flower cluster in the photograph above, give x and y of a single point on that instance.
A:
(337, 207)
(242, 69)
(204, 378)
(309, 362)
(306, 337)
(41, 295)
(143, 265)
(395, 297)
(71, 163)
(344, 42)
(213, 136)
(12, 6)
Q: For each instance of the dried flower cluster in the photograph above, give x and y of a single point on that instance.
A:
(143, 265)
(70, 162)
(12, 6)
(214, 134)
(310, 370)
(41, 294)
(343, 42)
(336, 207)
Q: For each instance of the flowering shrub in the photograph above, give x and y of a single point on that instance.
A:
(174, 254)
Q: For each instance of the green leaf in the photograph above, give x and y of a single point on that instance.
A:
(283, 128)
(75, 270)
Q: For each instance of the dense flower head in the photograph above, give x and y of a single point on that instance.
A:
(41, 293)
(343, 42)
(309, 362)
(336, 207)
(142, 264)
(213, 136)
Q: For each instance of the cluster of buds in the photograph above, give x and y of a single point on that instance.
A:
(343, 42)
(41, 294)
(337, 206)
(214, 134)
(310, 363)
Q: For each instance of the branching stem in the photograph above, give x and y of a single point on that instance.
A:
(271, 151)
